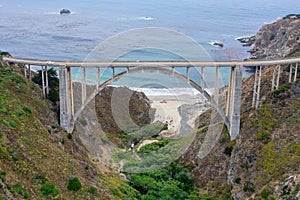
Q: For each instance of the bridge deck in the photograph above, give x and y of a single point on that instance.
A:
(121, 64)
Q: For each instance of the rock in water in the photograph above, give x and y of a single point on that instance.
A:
(64, 11)
(247, 41)
(218, 44)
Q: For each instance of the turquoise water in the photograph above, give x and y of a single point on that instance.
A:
(35, 29)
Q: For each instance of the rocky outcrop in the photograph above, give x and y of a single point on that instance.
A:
(124, 98)
(277, 40)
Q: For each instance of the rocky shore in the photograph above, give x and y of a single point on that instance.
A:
(280, 39)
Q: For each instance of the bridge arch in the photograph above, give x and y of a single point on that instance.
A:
(154, 69)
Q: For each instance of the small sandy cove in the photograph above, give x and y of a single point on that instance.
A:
(167, 110)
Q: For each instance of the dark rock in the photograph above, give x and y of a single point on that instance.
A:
(247, 41)
(218, 44)
(64, 11)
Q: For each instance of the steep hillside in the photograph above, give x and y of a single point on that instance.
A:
(263, 163)
(39, 160)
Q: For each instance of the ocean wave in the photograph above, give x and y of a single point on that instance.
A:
(57, 13)
(242, 37)
(146, 18)
(167, 91)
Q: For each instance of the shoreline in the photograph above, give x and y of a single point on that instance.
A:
(179, 112)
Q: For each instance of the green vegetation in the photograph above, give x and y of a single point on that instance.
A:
(153, 156)
(265, 194)
(53, 82)
(2, 175)
(265, 122)
(92, 190)
(172, 182)
(31, 158)
(249, 187)
(18, 188)
(153, 146)
(49, 189)
(278, 93)
(74, 184)
(229, 147)
(277, 155)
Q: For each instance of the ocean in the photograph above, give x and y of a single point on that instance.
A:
(35, 29)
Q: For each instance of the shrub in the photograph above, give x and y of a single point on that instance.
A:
(2, 175)
(228, 150)
(265, 193)
(18, 188)
(165, 127)
(69, 136)
(49, 189)
(27, 110)
(74, 184)
(92, 190)
(237, 180)
(249, 187)
(263, 136)
(10, 123)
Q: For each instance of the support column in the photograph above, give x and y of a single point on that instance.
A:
(66, 98)
(47, 83)
(228, 100)
(278, 76)
(296, 72)
(25, 71)
(202, 78)
(113, 72)
(188, 74)
(98, 78)
(236, 102)
(258, 89)
(291, 73)
(29, 68)
(83, 86)
(255, 87)
(217, 85)
(273, 79)
(43, 82)
(172, 71)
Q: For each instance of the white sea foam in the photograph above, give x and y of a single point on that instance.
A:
(57, 13)
(241, 37)
(212, 43)
(146, 18)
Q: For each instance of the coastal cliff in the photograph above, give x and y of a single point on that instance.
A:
(280, 39)
(263, 163)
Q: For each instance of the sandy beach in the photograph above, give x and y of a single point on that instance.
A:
(179, 112)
